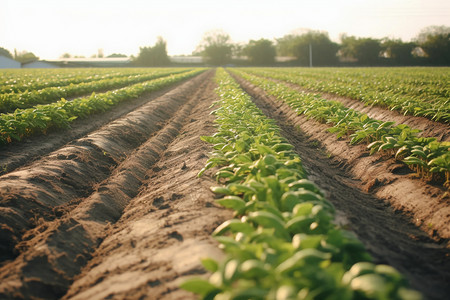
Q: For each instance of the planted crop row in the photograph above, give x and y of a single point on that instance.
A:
(282, 243)
(425, 155)
(11, 101)
(408, 94)
(30, 121)
(17, 81)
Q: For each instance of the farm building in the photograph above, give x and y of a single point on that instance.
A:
(107, 62)
(40, 64)
(8, 63)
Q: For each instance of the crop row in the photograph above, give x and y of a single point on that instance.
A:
(11, 101)
(407, 94)
(38, 119)
(425, 155)
(17, 81)
(282, 243)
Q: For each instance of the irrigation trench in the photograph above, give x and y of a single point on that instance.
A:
(118, 212)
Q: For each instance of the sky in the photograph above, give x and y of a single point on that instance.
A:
(50, 28)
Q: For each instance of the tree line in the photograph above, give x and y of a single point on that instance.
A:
(310, 47)
(430, 47)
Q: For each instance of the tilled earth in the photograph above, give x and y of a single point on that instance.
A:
(113, 209)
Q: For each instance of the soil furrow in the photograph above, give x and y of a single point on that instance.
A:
(33, 194)
(59, 261)
(166, 230)
(429, 128)
(386, 231)
(16, 155)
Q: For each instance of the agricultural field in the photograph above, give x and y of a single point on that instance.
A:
(237, 183)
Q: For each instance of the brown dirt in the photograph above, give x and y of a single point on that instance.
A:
(118, 212)
(389, 212)
(58, 210)
(18, 154)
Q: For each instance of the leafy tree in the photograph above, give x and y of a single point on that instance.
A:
(5, 52)
(117, 55)
(435, 41)
(260, 52)
(66, 55)
(216, 47)
(398, 52)
(153, 56)
(365, 50)
(25, 57)
(323, 49)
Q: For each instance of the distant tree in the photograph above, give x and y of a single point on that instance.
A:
(4, 52)
(153, 56)
(216, 47)
(365, 50)
(25, 57)
(260, 52)
(323, 49)
(435, 41)
(397, 51)
(117, 55)
(238, 49)
(66, 55)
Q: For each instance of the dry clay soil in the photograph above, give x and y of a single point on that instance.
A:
(113, 208)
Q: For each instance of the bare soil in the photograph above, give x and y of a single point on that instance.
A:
(114, 209)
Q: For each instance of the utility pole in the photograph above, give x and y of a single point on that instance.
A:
(310, 56)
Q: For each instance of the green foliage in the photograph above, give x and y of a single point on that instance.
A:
(216, 48)
(261, 52)
(155, 56)
(25, 57)
(11, 101)
(323, 49)
(398, 52)
(40, 118)
(365, 50)
(402, 141)
(282, 243)
(415, 91)
(435, 41)
(5, 52)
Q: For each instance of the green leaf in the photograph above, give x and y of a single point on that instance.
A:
(282, 147)
(372, 285)
(303, 257)
(269, 220)
(198, 286)
(233, 225)
(241, 188)
(254, 293)
(253, 268)
(300, 224)
(385, 124)
(221, 190)
(210, 264)
(233, 202)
